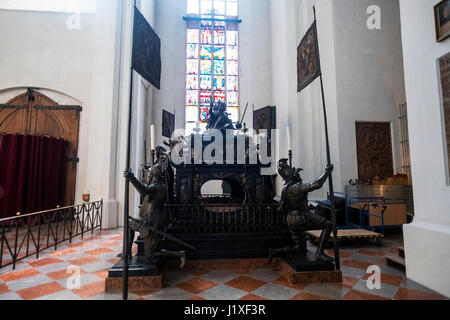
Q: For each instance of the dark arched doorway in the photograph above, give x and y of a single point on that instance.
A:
(224, 191)
(34, 113)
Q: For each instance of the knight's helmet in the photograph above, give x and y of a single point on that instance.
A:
(287, 172)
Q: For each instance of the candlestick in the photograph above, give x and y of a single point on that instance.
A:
(152, 138)
(289, 138)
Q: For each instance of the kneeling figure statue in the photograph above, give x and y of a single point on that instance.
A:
(152, 222)
(294, 203)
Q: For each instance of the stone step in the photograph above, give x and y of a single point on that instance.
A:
(396, 262)
(401, 252)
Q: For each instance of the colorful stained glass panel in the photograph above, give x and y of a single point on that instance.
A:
(205, 67)
(232, 83)
(192, 66)
(205, 24)
(219, 25)
(219, 53)
(192, 36)
(219, 37)
(192, 51)
(204, 114)
(206, 52)
(192, 82)
(232, 99)
(207, 36)
(219, 96)
(192, 97)
(205, 82)
(205, 97)
(219, 83)
(219, 67)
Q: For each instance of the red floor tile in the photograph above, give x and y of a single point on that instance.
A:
(349, 282)
(109, 243)
(196, 298)
(84, 261)
(80, 245)
(342, 253)
(40, 291)
(98, 251)
(356, 264)
(245, 283)
(358, 295)
(44, 262)
(307, 296)
(197, 285)
(4, 288)
(252, 297)
(371, 252)
(114, 260)
(62, 274)
(63, 252)
(102, 273)
(387, 279)
(17, 275)
(90, 290)
(409, 294)
(142, 293)
(283, 282)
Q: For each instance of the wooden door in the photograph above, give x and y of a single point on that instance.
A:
(374, 149)
(35, 113)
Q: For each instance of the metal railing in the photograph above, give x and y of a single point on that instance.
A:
(26, 235)
(223, 218)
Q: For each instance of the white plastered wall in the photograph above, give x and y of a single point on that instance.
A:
(427, 239)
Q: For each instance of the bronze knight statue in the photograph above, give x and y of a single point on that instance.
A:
(152, 222)
(294, 203)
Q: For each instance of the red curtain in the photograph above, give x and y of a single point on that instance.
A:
(32, 173)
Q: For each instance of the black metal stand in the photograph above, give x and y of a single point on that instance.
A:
(290, 158)
(153, 157)
(330, 179)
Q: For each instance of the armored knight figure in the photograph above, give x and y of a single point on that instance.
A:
(294, 203)
(218, 117)
(152, 222)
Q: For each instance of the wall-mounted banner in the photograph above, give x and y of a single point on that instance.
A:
(146, 50)
(308, 63)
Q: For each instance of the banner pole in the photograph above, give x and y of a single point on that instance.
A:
(126, 215)
(330, 179)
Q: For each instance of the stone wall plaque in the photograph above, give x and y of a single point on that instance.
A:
(444, 75)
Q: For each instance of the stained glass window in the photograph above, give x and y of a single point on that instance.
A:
(212, 69)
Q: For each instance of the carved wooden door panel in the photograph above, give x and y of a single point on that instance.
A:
(374, 149)
(13, 115)
(43, 116)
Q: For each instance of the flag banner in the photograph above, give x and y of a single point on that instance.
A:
(308, 60)
(168, 124)
(146, 56)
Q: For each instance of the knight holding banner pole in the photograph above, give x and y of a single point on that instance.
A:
(146, 60)
(294, 197)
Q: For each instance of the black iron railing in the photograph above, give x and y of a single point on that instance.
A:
(26, 235)
(223, 218)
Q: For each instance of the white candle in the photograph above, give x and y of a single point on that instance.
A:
(289, 138)
(152, 138)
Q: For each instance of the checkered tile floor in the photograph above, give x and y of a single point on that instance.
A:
(49, 277)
